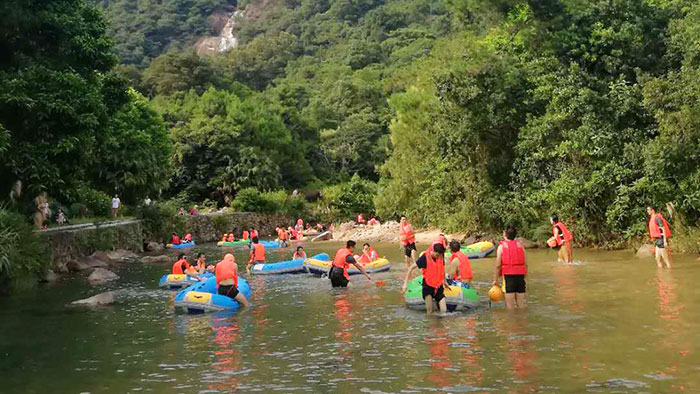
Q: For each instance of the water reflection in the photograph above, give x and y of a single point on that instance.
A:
(227, 357)
(517, 343)
(438, 344)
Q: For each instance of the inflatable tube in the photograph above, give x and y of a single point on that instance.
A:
(269, 244)
(202, 297)
(295, 266)
(176, 281)
(460, 297)
(240, 242)
(476, 251)
(181, 246)
(315, 266)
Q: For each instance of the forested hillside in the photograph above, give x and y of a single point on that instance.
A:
(468, 114)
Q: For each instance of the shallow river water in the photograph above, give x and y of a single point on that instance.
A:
(609, 324)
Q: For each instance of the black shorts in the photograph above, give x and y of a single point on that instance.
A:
(438, 294)
(230, 291)
(337, 277)
(659, 242)
(515, 283)
(408, 248)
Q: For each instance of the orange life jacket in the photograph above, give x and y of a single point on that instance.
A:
(245, 235)
(512, 258)
(283, 235)
(201, 265)
(434, 272)
(407, 231)
(465, 266)
(226, 269)
(564, 233)
(177, 266)
(655, 230)
(176, 240)
(368, 257)
(258, 252)
(340, 260)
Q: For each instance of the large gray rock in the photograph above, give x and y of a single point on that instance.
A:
(77, 266)
(94, 262)
(154, 247)
(100, 299)
(50, 276)
(101, 275)
(527, 244)
(116, 256)
(645, 251)
(155, 259)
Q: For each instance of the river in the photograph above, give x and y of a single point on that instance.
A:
(611, 323)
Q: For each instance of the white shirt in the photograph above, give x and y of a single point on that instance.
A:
(115, 202)
(147, 201)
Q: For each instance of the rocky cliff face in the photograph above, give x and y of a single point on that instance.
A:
(225, 40)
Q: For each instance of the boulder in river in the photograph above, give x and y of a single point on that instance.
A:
(645, 251)
(96, 300)
(116, 256)
(155, 259)
(154, 247)
(101, 275)
(527, 244)
(77, 266)
(94, 262)
(50, 276)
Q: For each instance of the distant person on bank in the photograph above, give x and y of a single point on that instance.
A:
(116, 205)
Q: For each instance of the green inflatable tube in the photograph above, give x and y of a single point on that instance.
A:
(460, 297)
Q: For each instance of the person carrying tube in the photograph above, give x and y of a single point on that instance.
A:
(432, 264)
(339, 269)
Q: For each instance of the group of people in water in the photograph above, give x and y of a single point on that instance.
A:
(510, 267)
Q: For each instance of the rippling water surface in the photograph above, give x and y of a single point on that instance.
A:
(609, 324)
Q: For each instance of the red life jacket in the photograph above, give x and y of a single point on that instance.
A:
(465, 266)
(563, 232)
(299, 256)
(300, 222)
(258, 253)
(655, 230)
(188, 237)
(283, 235)
(339, 261)
(369, 257)
(177, 267)
(231, 237)
(360, 218)
(254, 234)
(512, 258)
(434, 273)
(407, 231)
(245, 235)
(176, 240)
(226, 269)
(224, 238)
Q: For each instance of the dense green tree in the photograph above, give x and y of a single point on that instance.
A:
(178, 71)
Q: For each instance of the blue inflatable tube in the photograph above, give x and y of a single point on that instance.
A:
(179, 281)
(183, 245)
(269, 244)
(202, 297)
(295, 266)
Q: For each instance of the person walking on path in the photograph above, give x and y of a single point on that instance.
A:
(116, 205)
(660, 232)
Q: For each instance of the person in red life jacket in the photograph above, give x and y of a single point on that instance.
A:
(460, 268)
(319, 227)
(432, 263)
(308, 227)
(300, 253)
(659, 232)
(408, 241)
(224, 238)
(188, 237)
(201, 265)
(339, 270)
(226, 272)
(253, 233)
(282, 235)
(360, 219)
(175, 239)
(245, 235)
(257, 254)
(373, 222)
(181, 265)
(231, 236)
(293, 232)
(368, 254)
(563, 238)
(512, 265)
